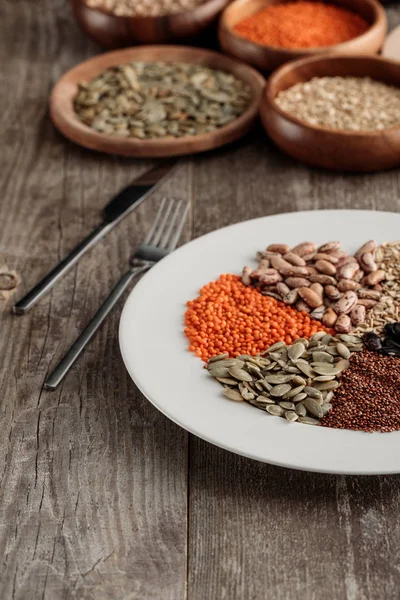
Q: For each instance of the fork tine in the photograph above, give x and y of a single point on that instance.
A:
(172, 222)
(174, 242)
(161, 228)
(155, 222)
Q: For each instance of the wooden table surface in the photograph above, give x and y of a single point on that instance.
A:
(103, 498)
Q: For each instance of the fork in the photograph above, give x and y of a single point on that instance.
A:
(162, 239)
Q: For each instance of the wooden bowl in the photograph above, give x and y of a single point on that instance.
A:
(268, 58)
(112, 31)
(329, 148)
(66, 120)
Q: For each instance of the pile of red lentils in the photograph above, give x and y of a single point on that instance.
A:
(230, 317)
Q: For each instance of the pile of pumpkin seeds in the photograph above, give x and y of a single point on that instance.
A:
(296, 382)
(159, 99)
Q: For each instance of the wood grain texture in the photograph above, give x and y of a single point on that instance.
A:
(94, 481)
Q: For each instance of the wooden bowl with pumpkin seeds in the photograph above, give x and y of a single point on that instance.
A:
(157, 101)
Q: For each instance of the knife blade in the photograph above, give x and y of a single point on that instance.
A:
(119, 207)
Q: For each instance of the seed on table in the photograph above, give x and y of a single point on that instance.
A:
(280, 390)
(233, 394)
(324, 378)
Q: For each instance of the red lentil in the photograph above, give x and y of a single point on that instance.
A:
(369, 397)
(302, 25)
(229, 317)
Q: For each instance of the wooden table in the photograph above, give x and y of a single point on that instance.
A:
(103, 498)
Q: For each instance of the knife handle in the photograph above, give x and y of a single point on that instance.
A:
(54, 380)
(45, 285)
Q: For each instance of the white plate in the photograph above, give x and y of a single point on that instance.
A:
(154, 347)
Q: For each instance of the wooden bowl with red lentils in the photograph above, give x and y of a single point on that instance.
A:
(268, 33)
(123, 23)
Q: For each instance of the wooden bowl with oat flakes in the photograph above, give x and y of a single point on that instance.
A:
(337, 149)
(67, 121)
(116, 31)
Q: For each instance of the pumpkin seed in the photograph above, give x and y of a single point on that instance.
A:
(291, 416)
(219, 372)
(287, 405)
(226, 380)
(306, 369)
(296, 350)
(342, 364)
(326, 338)
(240, 374)
(233, 394)
(275, 410)
(326, 408)
(327, 369)
(350, 339)
(294, 391)
(298, 380)
(343, 350)
(312, 392)
(278, 379)
(316, 337)
(327, 385)
(280, 390)
(218, 357)
(275, 347)
(309, 421)
(301, 409)
(321, 357)
(324, 378)
(299, 397)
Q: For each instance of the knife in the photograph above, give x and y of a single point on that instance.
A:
(120, 206)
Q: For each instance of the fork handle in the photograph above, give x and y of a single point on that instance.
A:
(54, 380)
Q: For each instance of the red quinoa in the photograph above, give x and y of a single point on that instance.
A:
(369, 397)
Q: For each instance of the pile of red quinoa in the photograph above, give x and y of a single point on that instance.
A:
(369, 397)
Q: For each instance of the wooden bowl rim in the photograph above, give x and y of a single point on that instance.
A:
(209, 7)
(379, 18)
(270, 100)
(65, 90)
